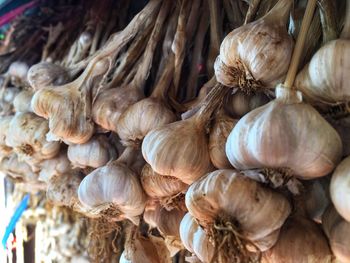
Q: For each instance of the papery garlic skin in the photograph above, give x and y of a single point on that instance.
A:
(110, 104)
(45, 74)
(326, 78)
(285, 133)
(22, 102)
(338, 232)
(340, 188)
(221, 129)
(94, 153)
(27, 135)
(300, 240)
(179, 149)
(159, 186)
(142, 117)
(113, 185)
(258, 51)
(195, 239)
(259, 211)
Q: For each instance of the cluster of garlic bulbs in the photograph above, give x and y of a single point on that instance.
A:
(236, 174)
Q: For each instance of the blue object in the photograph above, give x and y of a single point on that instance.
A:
(16, 216)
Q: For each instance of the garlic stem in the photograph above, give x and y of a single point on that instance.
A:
(146, 64)
(253, 8)
(293, 67)
(345, 33)
(328, 20)
(212, 101)
(128, 156)
(280, 12)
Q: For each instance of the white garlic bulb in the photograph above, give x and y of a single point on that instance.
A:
(56, 166)
(12, 166)
(45, 74)
(94, 153)
(340, 188)
(22, 102)
(114, 190)
(256, 55)
(195, 239)
(27, 135)
(229, 198)
(285, 133)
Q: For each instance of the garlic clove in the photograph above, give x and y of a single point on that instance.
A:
(94, 153)
(221, 129)
(26, 134)
(45, 74)
(285, 133)
(256, 55)
(340, 188)
(142, 117)
(22, 102)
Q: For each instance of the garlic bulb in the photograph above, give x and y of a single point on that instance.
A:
(7, 97)
(5, 150)
(22, 101)
(167, 222)
(340, 188)
(145, 249)
(239, 104)
(317, 198)
(62, 190)
(17, 169)
(94, 153)
(68, 107)
(256, 55)
(325, 78)
(114, 190)
(147, 114)
(27, 135)
(18, 70)
(111, 103)
(342, 126)
(46, 74)
(195, 239)
(300, 240)
(227, 199)
(180, 149)
(56, 166)
(158, 186)
(285, 133)
(219, 132)
(338, 232)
